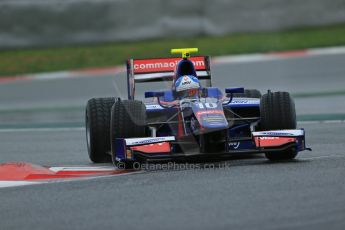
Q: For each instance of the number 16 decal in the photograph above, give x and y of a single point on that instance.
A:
(208, 105)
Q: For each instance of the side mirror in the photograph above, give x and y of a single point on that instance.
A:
(204, 92)
(234, 90)
(154, 94)
(229, 93)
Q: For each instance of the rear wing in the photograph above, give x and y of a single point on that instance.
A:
(163, 69)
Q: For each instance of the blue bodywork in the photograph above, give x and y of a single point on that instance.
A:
(203, 116)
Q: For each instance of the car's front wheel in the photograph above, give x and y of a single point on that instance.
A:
(128, 120)
(277, 111)
(97, 123)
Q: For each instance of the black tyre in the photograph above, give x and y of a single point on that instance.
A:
(97, 122)
(128, 119)
(277, 111)
(250, 93)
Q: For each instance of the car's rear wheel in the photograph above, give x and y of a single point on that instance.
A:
(277, 111)
(128, 120)
(97, 123)
(250, 93)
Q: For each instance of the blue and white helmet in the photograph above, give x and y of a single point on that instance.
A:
(187, 82)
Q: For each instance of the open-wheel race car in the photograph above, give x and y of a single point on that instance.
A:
(190, 119)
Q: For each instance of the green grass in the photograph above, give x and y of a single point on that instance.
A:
(14, 62)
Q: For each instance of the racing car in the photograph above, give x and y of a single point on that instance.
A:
(190, 118)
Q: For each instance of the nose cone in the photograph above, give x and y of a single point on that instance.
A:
(213, 120)
(210, 115)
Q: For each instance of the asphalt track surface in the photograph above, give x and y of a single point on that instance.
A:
(246, 193)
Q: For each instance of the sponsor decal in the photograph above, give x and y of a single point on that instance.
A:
(236, 101)
(268, 138)
(187, 83)
(277, 134)
(147, 140)
(234, 145)
(148, 107)
(210, 112)
(288, 132)
(208, 105)
(164, 64)
(211, 117)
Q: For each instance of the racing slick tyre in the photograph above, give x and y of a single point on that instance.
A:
(250, 93)
(128, 119)
(277, 111)
(97, 122)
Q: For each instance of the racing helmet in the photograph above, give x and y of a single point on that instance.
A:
(185, 67)
(185, 83)
(187, 86)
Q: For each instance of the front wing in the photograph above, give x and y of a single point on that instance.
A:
(160, 148)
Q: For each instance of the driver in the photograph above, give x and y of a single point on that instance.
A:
(185, 83)
(187, 86)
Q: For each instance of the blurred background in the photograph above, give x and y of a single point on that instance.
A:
(35, 23)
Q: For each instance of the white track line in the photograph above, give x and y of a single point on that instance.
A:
(82, 168)
(259, 57)
(321, 157)
(243, 58)
(327, 51)
(322, 122)
(7, 184)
